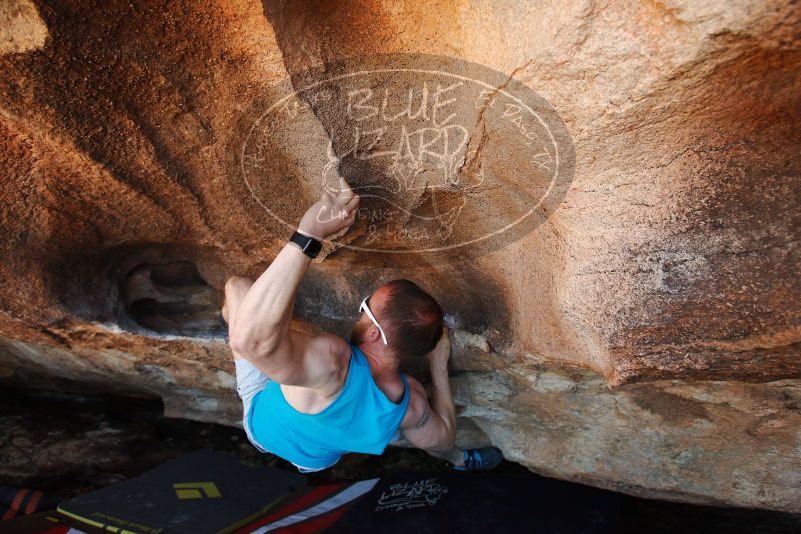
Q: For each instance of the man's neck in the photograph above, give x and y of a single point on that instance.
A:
(384, 370)
(381, 364)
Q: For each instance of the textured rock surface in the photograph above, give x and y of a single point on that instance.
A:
(21, 28)
(645, 337)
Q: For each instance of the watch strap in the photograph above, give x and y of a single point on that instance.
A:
(309, 245)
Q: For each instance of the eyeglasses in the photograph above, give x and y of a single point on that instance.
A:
(363, 306)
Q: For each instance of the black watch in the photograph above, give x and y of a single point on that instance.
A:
(310, 246)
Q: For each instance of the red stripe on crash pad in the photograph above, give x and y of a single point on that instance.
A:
(15, 504)
(315, 524)
(311, 498)
(33, 502)
(337, 501)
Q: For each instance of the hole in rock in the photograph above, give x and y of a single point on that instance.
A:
(172, 297)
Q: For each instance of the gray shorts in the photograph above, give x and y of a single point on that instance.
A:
(249, 381)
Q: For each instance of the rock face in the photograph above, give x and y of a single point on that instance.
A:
(640, 328)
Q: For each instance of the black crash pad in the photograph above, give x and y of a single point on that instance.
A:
(204, 491)
(480, 503)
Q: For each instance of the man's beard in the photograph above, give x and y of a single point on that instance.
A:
(357, 333)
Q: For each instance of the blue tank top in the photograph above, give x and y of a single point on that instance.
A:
(360, 419)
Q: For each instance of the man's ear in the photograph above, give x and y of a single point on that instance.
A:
(374, 333)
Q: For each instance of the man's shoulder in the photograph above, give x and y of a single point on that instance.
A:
(330, 345)
(326, 359)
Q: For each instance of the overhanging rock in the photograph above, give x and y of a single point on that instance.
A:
(639, 331)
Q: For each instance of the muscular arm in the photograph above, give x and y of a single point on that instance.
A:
(261, 324)
(427, 426)
(260, 329)
(432, 426)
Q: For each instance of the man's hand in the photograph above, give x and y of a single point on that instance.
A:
(440, 354)
(331, 213)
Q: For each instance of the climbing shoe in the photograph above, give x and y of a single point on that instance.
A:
(480, 459)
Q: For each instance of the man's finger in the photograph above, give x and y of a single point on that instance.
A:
(352, 203)
(345, 192)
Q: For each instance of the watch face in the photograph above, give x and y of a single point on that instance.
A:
(314, 246)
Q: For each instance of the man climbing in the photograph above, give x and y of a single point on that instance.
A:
(311, 399)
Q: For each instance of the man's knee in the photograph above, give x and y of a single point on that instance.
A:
(235, 289)
(237, 286)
